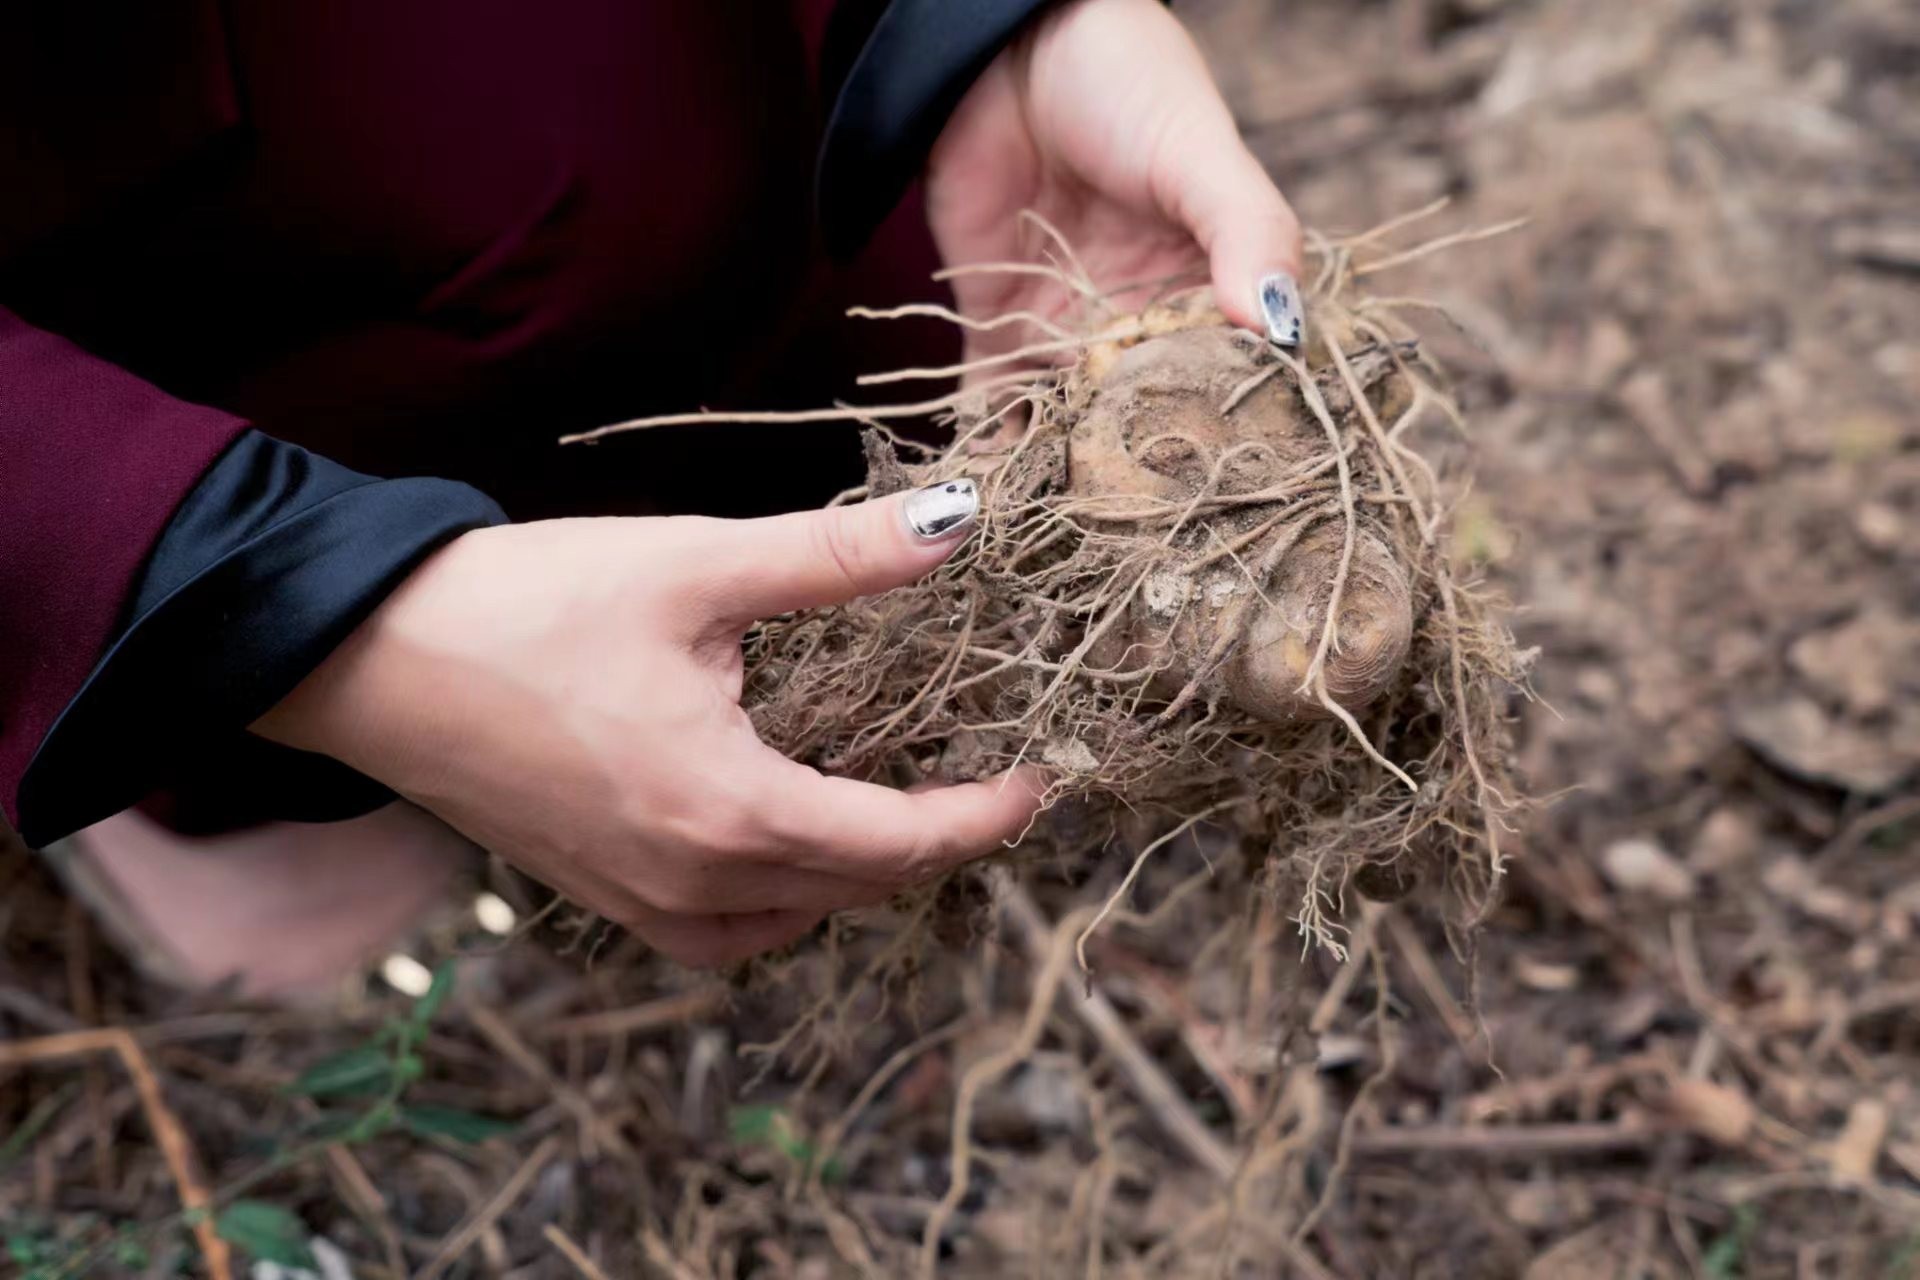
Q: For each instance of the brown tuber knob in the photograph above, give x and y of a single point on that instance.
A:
(1240, 602)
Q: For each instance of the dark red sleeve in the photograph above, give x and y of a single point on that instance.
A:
(93, 462)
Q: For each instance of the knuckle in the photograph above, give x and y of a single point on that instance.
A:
(681, 544)
(705, 824)
(840, 550)
(678, 891)
(693, 834)
(728, 831)
(772, 832)
(923, 857)
(784, 822)
(935, 854)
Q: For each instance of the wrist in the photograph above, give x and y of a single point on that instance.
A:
(369, 703)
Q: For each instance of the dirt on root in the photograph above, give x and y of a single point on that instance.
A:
(1193, 596)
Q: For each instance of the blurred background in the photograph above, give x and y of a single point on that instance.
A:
(1687, 1044)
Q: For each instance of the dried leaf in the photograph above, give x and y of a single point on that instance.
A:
(1641, 866)
(1857, 1150)
(1717, 1111)
(1796, 736)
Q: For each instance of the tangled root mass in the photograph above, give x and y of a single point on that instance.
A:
(1209, 578)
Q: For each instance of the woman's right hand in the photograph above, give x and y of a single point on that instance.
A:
(566, 693)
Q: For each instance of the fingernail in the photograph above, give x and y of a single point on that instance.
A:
(942, 510)
(1280, 307)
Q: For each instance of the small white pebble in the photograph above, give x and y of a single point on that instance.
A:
(406, 975)
(1641, 866)
(1878, 525)
(494, 915)
(327, 1256)
(334, 1263)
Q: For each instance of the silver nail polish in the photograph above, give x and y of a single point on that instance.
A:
(942, 509)
(1281, 308)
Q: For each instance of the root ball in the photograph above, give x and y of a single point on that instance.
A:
(1209, 579)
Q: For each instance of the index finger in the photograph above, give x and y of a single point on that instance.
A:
(808, 559)
(874, 833)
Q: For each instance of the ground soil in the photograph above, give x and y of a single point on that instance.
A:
(1685, 1044)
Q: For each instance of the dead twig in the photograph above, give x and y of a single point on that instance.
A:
(504, 1038)
(1507, 1142)
(1164, 1102)
(1427, 975)
(350, 1176)
(174, 1144)
(1436, 245)
(486, 1215)
(576, 1256)
(668, 1011)
(1356, 1110)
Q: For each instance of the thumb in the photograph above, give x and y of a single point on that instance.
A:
(813, 558)
(1223, 196)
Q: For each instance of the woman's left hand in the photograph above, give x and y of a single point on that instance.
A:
(1103, 118)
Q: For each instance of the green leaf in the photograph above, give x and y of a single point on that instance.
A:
(266, 1231)
(1725, 1258)
(451, 1122)
(428, 1006)
(364, 1070)
(27, 1249)
(755, 1124)
(770, 1126)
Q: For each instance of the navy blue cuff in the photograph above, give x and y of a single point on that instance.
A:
(917, 63)
(269, 563)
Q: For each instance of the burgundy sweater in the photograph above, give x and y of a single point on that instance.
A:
(254, 253)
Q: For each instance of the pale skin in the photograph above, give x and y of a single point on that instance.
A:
(1104, 120)
(567, 693)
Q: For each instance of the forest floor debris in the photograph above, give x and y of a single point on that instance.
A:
(1692, 378)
